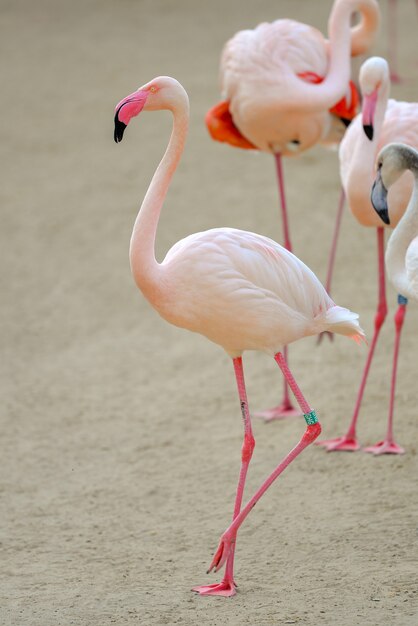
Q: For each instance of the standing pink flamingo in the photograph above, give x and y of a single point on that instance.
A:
(382, 121)
(285, 89)
(401, 257)
(241, 290)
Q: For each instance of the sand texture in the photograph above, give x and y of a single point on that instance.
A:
(121, 435)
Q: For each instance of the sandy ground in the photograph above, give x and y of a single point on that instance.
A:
(121, 435)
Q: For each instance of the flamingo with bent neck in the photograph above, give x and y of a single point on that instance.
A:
(401, 256)
(240, 290)
(286, 89)
(382, 121)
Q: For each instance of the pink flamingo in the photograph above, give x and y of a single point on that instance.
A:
(382, 121)
(285, 89)
(241, 290)
(402, 249)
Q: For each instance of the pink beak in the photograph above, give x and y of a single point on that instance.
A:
(126, 109)
(368, 110)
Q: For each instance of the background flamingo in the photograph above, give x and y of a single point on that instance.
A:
(382, 121)
(285, 89)
(241, 290)
(402, 249)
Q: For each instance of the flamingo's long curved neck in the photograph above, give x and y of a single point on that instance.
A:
(362, 36)
(364, 156)
(145, 269)
(342, 42)
(404, 233)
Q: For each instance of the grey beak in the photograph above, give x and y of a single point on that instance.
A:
(379, 199)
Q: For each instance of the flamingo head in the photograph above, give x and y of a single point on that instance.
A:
(391, 163)
(374, 79)
(160, 93)
(128, 108)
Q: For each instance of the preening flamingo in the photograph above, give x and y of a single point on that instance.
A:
(286, 88)
(382, 121)
(402, 249)
(241, 290)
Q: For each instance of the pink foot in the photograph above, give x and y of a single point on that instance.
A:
(282, 411)
(349, 444)
(321, 336)
(224, 548)
(385, 447)
(226, 588)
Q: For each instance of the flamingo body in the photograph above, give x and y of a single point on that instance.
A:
(411, 266)
(245, 292)
(405, 280)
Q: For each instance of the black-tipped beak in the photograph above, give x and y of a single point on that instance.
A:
(368, 129)
(346, 121)
(119, 129)
(379, 198)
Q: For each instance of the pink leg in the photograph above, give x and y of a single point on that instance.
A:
(392, 41)
(331, 260)
(389, 446)
(312, 431)
(285, 220)
(285, 408)
(282, 410)
(349, 440)
(227, 587)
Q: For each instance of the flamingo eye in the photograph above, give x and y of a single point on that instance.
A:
(153, 89)
(293, 145)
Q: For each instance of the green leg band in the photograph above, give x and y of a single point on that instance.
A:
(310, 418)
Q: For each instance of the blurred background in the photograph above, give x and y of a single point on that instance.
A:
(121, 435)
